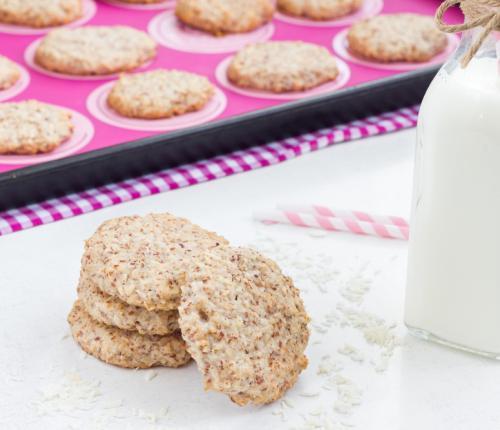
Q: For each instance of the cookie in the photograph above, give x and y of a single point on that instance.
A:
(9, 73)
(319, 9)
(159, 94)
(143, 261)
(405, 37)
(245, 325)
(112, 311)
(40, 13)
(282, 66)
(125, 348)
(94, 50)
(224, 16)
(32, 127)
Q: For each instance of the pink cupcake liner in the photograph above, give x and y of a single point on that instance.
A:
(166, 4)
(341, 47)
(98, 107)
(370, 8)
(166, 29)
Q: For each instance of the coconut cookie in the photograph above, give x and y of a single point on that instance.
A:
(159, 94)
(282, 66)
(32, 127)
(398, 37)
(9, 73)
(143, 261)
(224, 16)
(245, 325)
(111, 311)
(125, 348)
(94, 50)
(319, 9)
(40, 13)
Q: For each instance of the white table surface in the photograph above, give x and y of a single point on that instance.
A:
(424, 387)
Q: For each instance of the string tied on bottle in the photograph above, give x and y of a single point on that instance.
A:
(478, 13)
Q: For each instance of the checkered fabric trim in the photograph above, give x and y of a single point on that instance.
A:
(208, 170)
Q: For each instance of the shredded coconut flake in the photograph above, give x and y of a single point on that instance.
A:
(352, 352)
(70, 394)
(75, 398)
(349, 395)
(355, 288)
(348, 287)
(309, 394)
(288, 403)
(150, 375)
(328, 366)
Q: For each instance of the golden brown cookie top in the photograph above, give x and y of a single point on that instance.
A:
(40, 13)
(9, 73)
(245, 325)
(32, 127)
(396, 37)
(160, 94)
(282, 66)
(94, 50)
(145, 260)
(224, 16)
(319, 9)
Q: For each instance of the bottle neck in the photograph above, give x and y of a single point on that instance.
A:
(489, 48)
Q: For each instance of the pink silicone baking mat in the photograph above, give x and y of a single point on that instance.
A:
(97, 127)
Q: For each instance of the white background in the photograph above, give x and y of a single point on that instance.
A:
(425, 386)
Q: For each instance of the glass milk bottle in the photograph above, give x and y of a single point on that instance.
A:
(453, 286)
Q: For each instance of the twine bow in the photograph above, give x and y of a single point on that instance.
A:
(478, 13)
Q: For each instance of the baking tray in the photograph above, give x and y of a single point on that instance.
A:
(114, 151)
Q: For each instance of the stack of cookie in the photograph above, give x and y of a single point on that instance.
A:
(158, 290)
(126, 313)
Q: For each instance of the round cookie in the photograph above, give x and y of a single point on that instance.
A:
(403, 37)
(94, 50)
(40, 13)
(143, 261)
(159, 94)
(245, 325)
(125, 348)
(224, 16)
(114, 312)
(32, 127)
(9, 73)
(282, 66)
(319, 9)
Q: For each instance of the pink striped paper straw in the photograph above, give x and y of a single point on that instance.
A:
(387, 231)
(346, 214)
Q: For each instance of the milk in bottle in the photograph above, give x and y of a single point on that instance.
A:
(453, 285)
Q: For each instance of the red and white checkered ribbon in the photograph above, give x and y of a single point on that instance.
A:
(207, 170)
